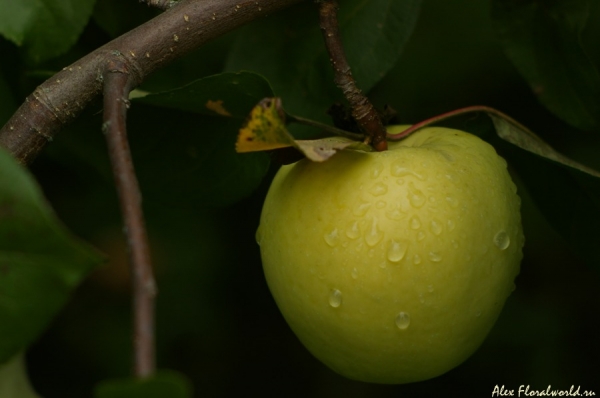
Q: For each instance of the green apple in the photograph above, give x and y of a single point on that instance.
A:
(392, 267)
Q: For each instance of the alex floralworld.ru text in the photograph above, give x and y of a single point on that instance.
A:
(527, 391)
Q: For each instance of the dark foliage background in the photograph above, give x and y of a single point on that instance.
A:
(217, 322)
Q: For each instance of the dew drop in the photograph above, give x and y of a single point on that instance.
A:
(398, 170)
(502, 240)
(454, 244)
(436, 257)
(394, 214)
(332, 238)
(415, 196)
(436, 227)
(451, 225)
(430, 288)
(380, 205)
(353, 231)
(415, 223)
(452, 201)
(354, 273)
(382, 264)
(378, 189)
(396, 251)
(258, 235)
(402, 320)
(373, 235)
(361, 209)
(400, 181)
(335, 298)
(376, 170)
(417, 259)
(420, 236)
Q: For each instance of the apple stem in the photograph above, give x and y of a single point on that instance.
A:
(117, 85)
(448, 115)
(363, 112)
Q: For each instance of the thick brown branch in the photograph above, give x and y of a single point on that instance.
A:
(169, 36)
(363, 111)
(116, 91)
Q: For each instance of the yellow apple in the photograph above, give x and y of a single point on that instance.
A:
(392, 267)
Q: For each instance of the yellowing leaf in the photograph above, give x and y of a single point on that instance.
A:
(265, 128)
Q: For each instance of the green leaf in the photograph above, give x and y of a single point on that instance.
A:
(183, 145)
(288, 49)
(226, 94)
(117, 17)
(40, 262)
(163, 384)
(7, 101)
(14, 382)
(46, 28)
(567, 192)
(16, 19)
(543, 40)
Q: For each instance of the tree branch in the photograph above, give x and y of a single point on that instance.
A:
(117, 85)
(363, 111)
(171, 35)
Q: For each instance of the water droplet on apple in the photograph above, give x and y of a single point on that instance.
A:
(394, 214)
(420, 236)
(452, 201)
(335, 298)
(502, 240)
(354, 273)
(417, 259)
(434, 256)
(361, 209)
(396, 251)
(378, 189)
(380, 205)
(430, 288)
(373, 235)
(415, 223)
(451, 225)
(436, 227)
(353, 231)
(376, 171)
(332, 238)
(415, 196)
(402, 320)
(258, 235)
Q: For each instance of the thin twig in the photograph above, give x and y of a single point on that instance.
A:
(457, 112)
(117, 84)
(364, 113)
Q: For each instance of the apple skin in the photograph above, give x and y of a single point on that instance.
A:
(392, 267)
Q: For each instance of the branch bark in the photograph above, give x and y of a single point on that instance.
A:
(363, 112)
(171, 35)
(117, 85)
